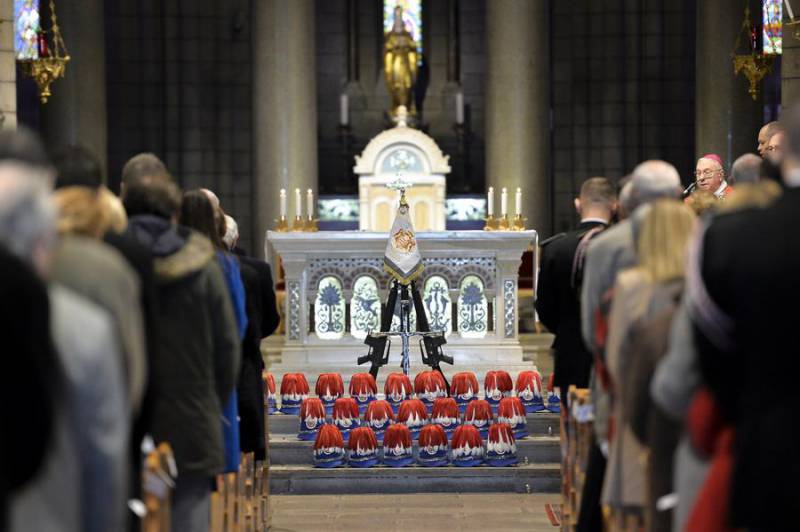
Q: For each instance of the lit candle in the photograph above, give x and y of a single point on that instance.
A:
(519, 201)
(310, 204)
(283, 203)
(504, 202)
(459, 108)
(298, 204)
(789, 9)
(490, 202)
(344, 111)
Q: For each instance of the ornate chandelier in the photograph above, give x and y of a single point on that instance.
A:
(52, 58)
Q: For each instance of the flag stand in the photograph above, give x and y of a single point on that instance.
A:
(403, 284)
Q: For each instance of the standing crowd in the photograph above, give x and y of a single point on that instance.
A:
(127, 322)
(675, 307)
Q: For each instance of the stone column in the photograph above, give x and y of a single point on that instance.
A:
(8, 71)
(790, 69)
(76, 112)
(727, 119)
(284, 107)
(517, 106)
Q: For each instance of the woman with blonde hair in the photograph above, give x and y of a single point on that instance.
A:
(643, 296)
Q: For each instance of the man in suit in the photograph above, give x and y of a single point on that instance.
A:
(743, 307)
(557, 294)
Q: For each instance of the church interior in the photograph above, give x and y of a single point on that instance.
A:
(303, 265)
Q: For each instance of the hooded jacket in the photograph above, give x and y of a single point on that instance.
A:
(198, 348)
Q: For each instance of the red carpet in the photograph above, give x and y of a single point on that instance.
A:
(553, 513)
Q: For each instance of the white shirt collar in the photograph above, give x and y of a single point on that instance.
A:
(594, 220)
(721, 190)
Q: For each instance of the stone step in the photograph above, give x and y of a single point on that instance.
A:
(539, 424)
(308, 480)
(288, 450)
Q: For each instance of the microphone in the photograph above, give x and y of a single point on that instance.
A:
(690, 189)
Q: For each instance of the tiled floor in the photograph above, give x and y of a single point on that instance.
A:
(423, 512)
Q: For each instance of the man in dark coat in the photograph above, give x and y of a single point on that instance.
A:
(557, 294)
(198, 356)
(743, 289)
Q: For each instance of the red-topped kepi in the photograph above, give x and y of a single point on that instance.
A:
(269, 391)
(467, 446)
(464, 389)
(512, 412)
(294, 388)
(553, 395)
(433, 446)
(363, 389)
(345, 415)
(428, 385)
(397, 389)
(312, 416)
(529, 390)
(397, 450)
(379, 416)
(496, 385)
(329, 388)
(363, 447)
(479, 414)
(329, 447)
(413, 414)
(501, 448)
(445, 414)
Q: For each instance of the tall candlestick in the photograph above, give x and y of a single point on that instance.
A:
(344, 110)
(459, 108)
(789, 9)
(519, 201)
(283, 203)
(310, 203)
(298, 204)
(490, 202)
(504, 202)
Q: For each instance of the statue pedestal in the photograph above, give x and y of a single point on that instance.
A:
(469, 287)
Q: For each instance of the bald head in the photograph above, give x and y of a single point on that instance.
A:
(745, 169)
(652, 180)
(765, 133)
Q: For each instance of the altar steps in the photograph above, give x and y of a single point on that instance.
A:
(308, 480)
(539, 470)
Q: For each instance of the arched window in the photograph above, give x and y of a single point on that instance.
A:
(473, 309)
(365, 307)
(329, 309)
(438, 306)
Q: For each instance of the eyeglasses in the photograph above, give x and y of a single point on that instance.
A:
(705, 174)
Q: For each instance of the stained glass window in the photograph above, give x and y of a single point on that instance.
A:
(26, 29)
(436, 299)
(772, 39)
(365, 307)
(473, 309)
(412, 18)
(329, 309)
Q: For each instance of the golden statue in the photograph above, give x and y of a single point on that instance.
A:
(400, 64)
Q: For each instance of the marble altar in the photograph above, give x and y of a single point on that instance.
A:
(335, 286)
